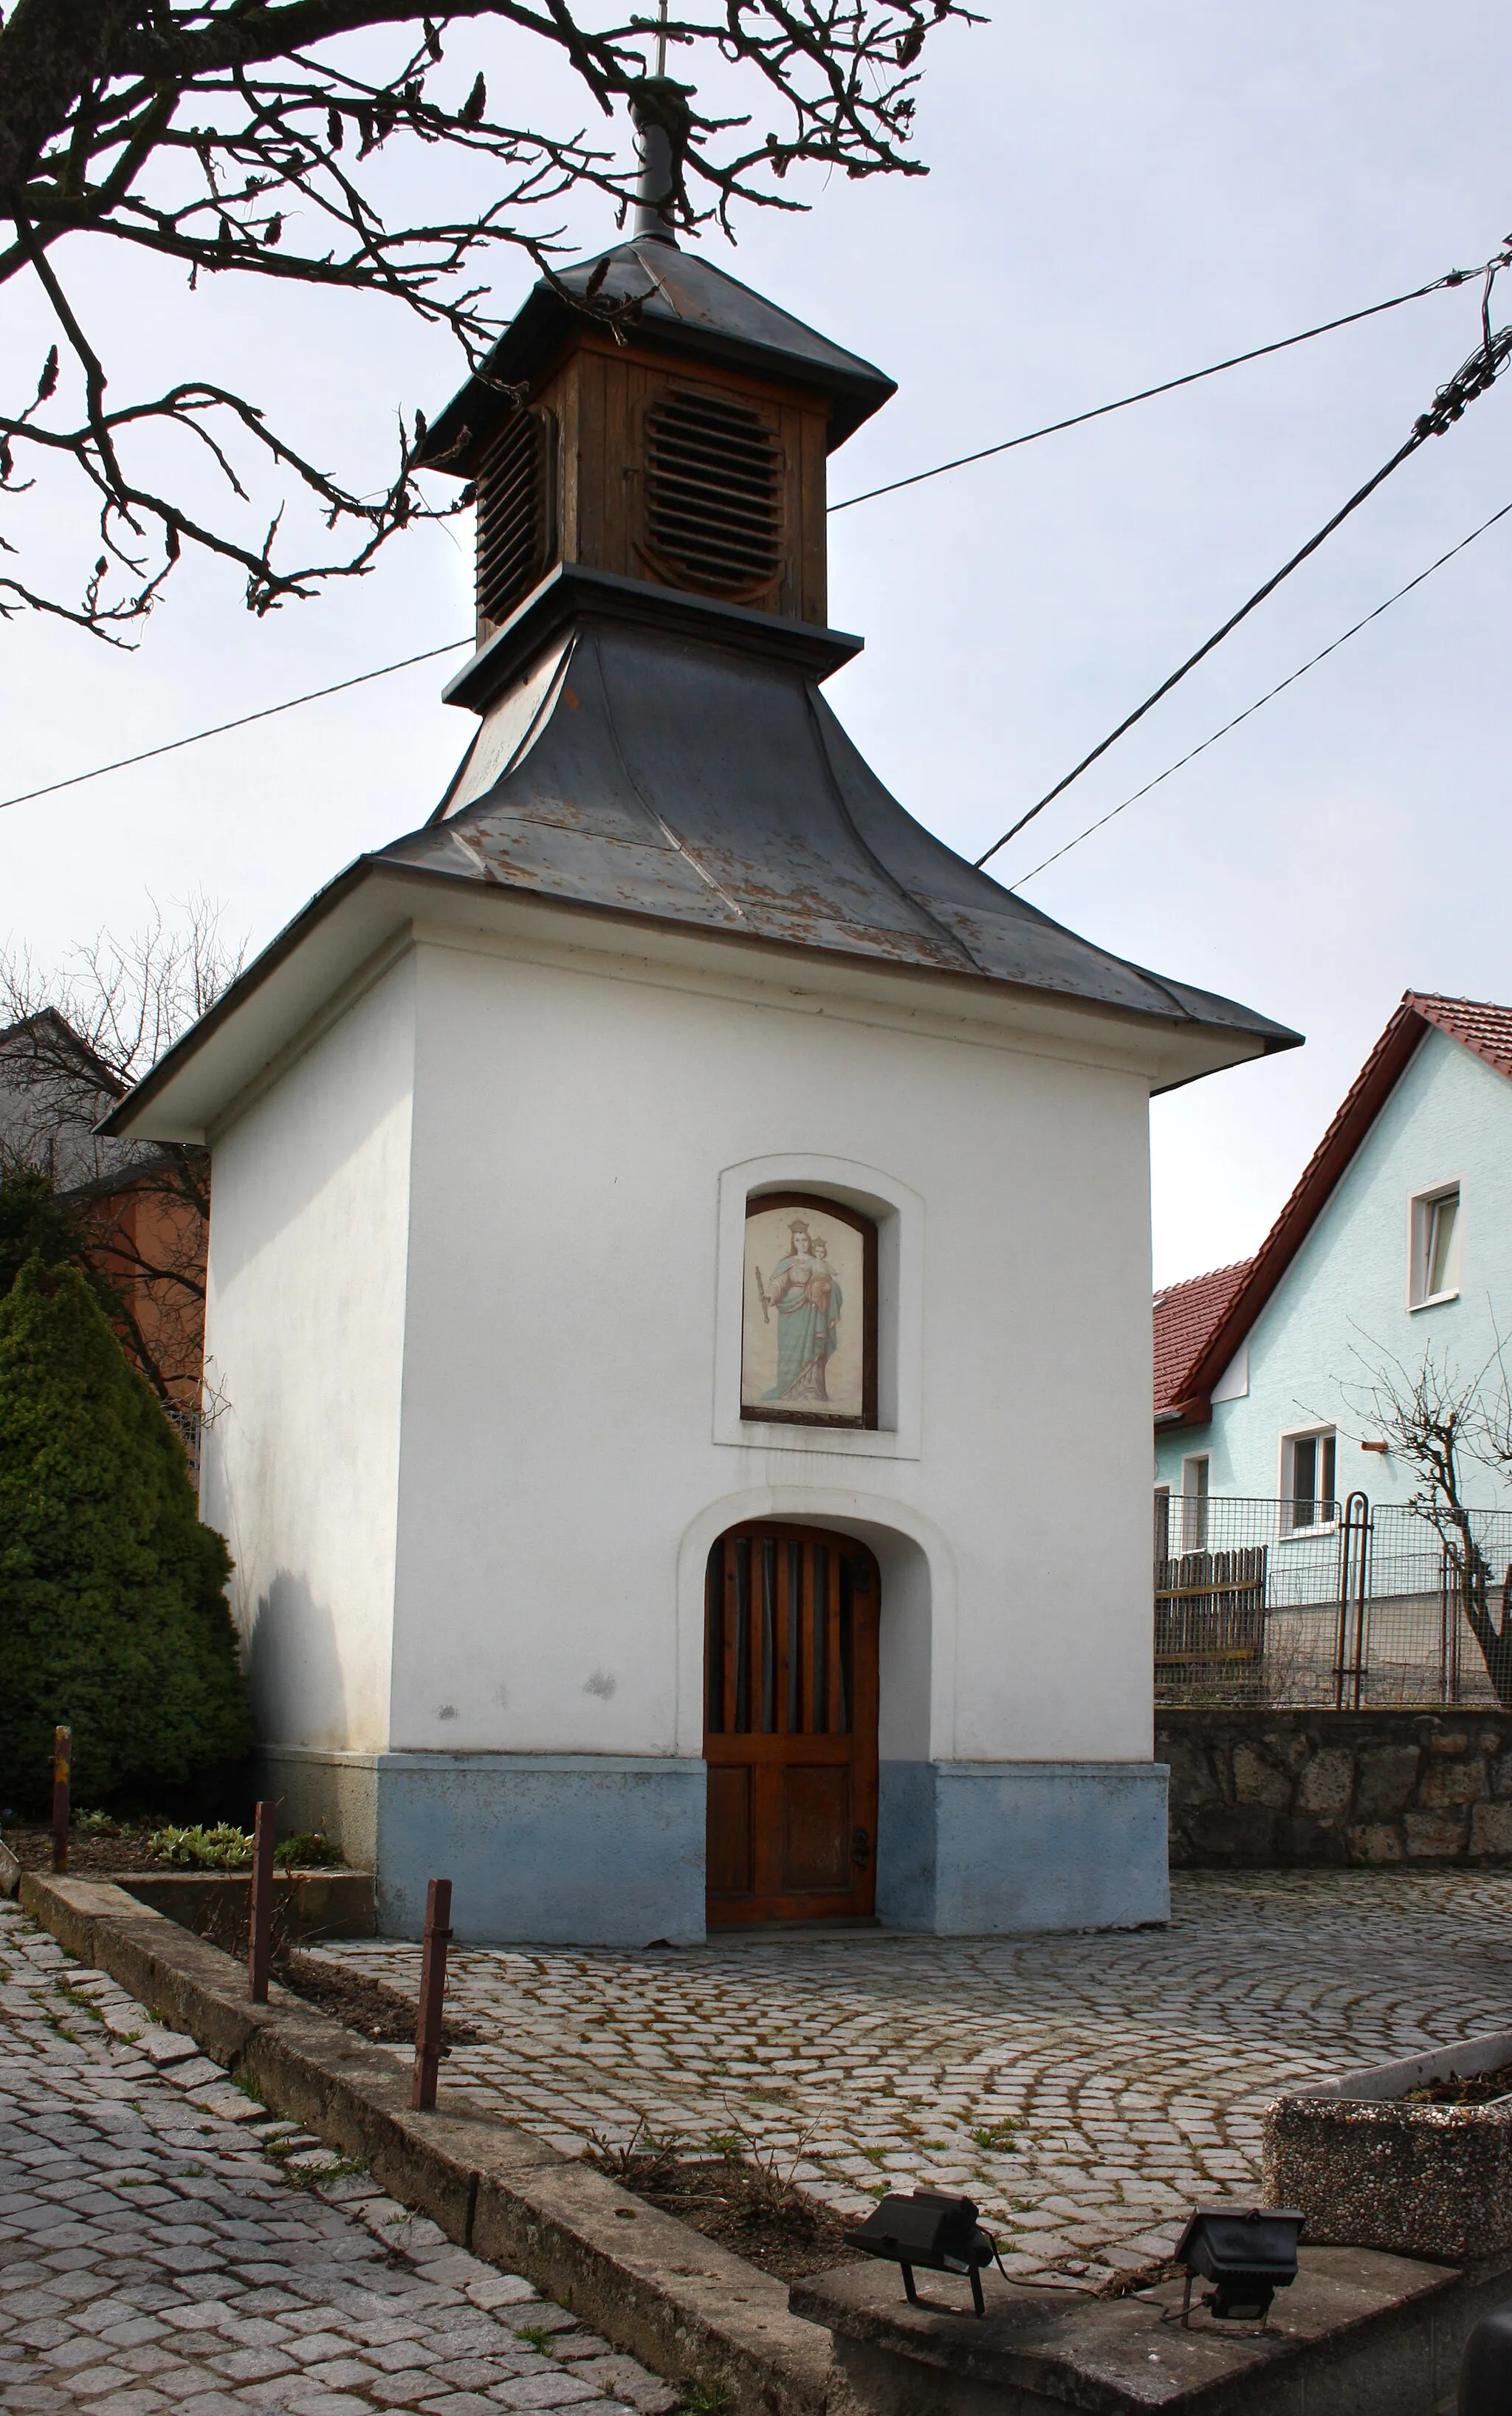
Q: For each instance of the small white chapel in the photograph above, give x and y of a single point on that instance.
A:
(679, 1271)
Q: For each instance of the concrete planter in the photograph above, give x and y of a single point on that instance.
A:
(1371, 2170)
(315, 1904)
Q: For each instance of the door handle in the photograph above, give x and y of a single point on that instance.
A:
(860, 1848)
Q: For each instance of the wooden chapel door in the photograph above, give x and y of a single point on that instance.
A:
(789, 1725)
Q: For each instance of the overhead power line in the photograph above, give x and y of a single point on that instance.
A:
(219, 730)
(1448, 406)
(1167, 386)
(1289, 681)
(312, 696)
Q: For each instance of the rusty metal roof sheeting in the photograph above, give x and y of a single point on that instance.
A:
(660, 774)
(688, 306)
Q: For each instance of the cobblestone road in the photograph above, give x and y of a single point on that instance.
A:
(164, 2247)
(1084, 2090)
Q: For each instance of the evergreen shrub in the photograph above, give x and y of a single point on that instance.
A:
(113, 1609)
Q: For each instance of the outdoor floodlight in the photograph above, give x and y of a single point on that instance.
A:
(1486, 2369)
(1248, 2254)
(928, 2227)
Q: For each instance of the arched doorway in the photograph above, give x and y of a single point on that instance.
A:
(789, 1725)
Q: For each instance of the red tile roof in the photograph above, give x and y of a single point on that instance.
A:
(1483, 1027)
(1199, 1325)
(1184, 1316)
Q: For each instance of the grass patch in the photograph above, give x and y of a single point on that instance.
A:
(538, 2337)
(705, 2398)
(995, 2136)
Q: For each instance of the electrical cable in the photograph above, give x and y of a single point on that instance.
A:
(1471, 380)
(1169, 385)
(1452, 277)
(265, 713)
(1289, 681)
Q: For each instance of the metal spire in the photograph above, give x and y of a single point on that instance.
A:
(658, 156)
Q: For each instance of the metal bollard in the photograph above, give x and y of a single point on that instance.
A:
(260, 1914)
(428, 2049)
(62, 1756)
(1486, 2369)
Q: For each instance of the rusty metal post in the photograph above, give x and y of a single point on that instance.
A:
(433, 1992)
(260, 1916)
(62, 1757)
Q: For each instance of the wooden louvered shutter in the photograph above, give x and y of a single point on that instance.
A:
(516, 531)
(713, 493)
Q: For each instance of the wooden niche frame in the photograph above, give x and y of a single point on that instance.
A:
(759, 1203)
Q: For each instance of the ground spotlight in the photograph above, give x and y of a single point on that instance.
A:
(1246, 2253)
(930, 2228)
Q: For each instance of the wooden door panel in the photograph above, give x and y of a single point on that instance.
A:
(730, 1866)
(790, 1725)
(816, 1827)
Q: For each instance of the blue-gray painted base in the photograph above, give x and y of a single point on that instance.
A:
(579, 1849)
(978, 1849)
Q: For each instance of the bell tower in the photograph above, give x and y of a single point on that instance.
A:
(680, 443)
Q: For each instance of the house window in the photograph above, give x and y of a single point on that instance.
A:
(1434, 1268)
(1162, 1523)
(1309, 1465)
(1194, 1483)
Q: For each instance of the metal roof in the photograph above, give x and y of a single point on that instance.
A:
(688, 306)
(667, 758)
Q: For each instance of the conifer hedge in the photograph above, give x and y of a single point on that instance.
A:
(113, 1608)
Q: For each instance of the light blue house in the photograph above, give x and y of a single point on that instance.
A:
(1397, 1242)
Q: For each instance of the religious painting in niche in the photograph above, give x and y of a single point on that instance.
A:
(809, 1333)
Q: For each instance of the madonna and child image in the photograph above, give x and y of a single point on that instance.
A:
(802, 1348)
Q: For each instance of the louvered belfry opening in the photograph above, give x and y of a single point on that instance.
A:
(713, 493)
(516, 536)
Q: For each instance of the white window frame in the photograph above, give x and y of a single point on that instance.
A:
(1420, 1207)
(1287, 1487)
(1195, 1496)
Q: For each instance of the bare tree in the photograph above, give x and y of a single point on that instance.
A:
(74, 1044)
(243, 137)
(1436, 1421)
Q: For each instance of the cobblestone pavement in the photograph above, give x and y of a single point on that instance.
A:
(1084, 2090)
(164, 2246)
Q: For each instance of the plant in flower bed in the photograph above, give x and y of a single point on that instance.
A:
(309, 1850)
(741, 2196)
(222, 1847)
(1465, 2089)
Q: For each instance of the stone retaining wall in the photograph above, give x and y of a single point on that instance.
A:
(1268, 1788)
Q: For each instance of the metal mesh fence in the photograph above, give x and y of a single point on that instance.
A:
(1349, 1604)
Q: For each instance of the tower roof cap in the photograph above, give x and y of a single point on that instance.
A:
(686, 306)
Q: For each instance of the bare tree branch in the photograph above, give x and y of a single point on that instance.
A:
(1435, 1420)
(235, 136)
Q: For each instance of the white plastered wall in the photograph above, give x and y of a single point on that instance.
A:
(304, 1330)
(565, 1456)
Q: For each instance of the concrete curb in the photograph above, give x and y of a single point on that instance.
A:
(684, 2307)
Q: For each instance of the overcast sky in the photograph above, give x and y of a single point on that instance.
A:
(1116, 195)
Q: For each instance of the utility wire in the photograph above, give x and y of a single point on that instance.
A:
(219, 730)
(123, 762)
(1169, 385)
(1289, 681)
(1448, 406)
